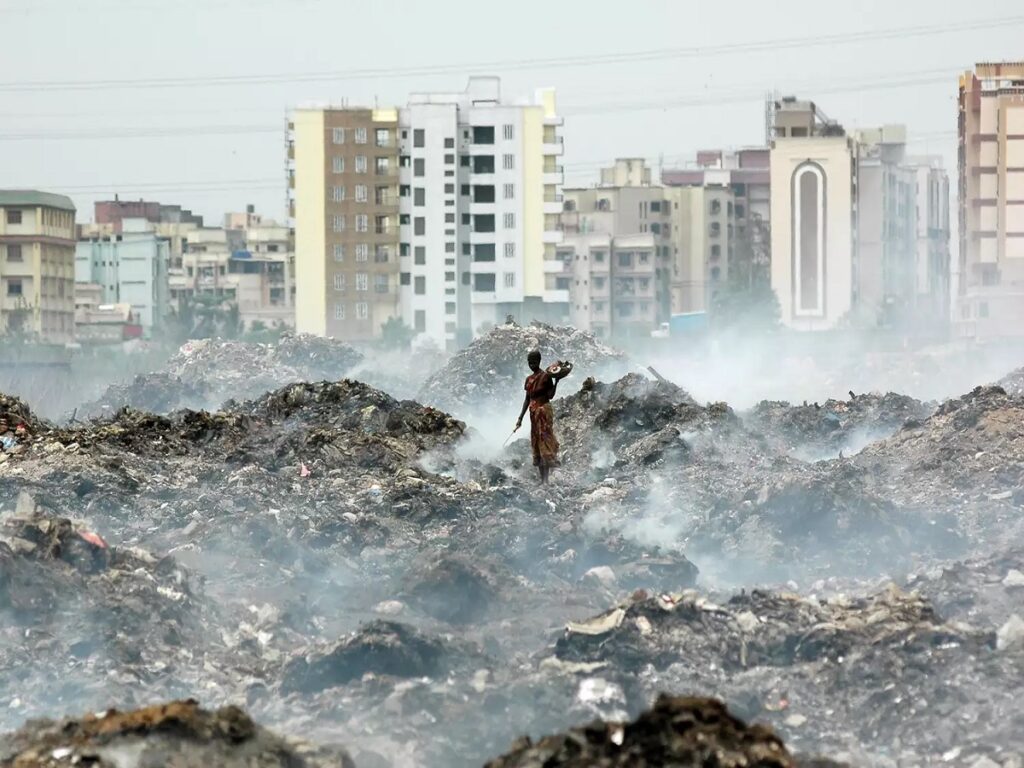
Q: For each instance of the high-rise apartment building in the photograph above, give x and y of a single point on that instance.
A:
(616, 252)
(343, 165)
(37, 265)
(932, 232)
(443, 212)
(813, 216)
(991, 156)
(480, 198)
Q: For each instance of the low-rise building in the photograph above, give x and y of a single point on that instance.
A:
(37, 265)
(131, 268)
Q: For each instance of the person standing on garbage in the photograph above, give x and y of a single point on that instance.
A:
(540, 390)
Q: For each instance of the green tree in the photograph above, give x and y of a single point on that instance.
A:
(394, 334)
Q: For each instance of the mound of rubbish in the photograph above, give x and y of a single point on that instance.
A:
(1013, 382)
(492, 369)
(814, 431)
(207, 372)
(971, 447)
(178, 733)
(677, 731)
(635, 417)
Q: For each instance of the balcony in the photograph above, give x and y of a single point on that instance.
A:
(553, 237)
(553, 174)
(555, 267)
(554, 147)
(553, 205)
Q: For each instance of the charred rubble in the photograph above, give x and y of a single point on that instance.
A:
(352, 569)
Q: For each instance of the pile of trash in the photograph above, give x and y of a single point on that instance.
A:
(179, 733)
(205, 373)
(492, 369)
(677, 731)
(815, 431)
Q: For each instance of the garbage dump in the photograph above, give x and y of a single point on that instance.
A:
(824, 430)
(676, 731)
(491, 370)
(178, 733)
(206, 372)
(350, 567)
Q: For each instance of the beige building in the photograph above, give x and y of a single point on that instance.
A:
(343, 168)
(991, 128)
(37, 265)
(814, 217)
(616, 251)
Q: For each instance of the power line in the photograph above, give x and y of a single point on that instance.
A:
(518, 65)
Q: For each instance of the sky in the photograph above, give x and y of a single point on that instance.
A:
(185, 101)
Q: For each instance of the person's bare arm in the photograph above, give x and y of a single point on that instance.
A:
(526, 404)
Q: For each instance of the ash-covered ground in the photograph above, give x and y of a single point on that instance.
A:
(275, 533)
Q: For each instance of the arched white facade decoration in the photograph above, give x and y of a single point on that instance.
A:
(809, 200)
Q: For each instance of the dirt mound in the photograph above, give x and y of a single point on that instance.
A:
(814, 431)
(676, 731)
(206, 373)
(491, 370)
(382, 648)
(179, 733)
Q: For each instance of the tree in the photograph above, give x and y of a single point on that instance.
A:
(394, 334)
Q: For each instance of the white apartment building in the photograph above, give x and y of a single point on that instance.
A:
(479, 201)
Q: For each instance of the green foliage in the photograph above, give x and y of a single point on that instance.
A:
(394, 334)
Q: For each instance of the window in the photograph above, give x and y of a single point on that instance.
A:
(483, 193)
(339, 282)
(337, 194)
(508, 131)
(403, 249)
(338, 135)
(483, 134)
(655, 206)
(362, 222)
(465, 249)
(510, 250)
(420, 287)
(420, 255)
(644, 257)
(449, 159)
(449, 143)
(449, 189)
(339, 311)
(361, 164)
(716, 272)
(483, 163)
(449, 307)
(449, 277)
(483, 282)
(381, 254)
(626, 259)
(360, 135)
(598, 256)
(483, 223)
(362, 251)
(599, 282)
(14, 252)
(464, 190)
(339, 252)
(362, 310)
(419, 167)
(419, 196)
(449, 247)
(656, 228)
(404, 190)
(508, 162)
(510, 279)
(405, 278)
(449, 218)
(362, 281)
(466, 277)
(510, 221)
(382, 137)
(419, 225)
(420, 320)
(404, 218)
(381, 284)
(404, 161)
(338, 164)
(716, 252)
(338, 223)
(741, 211)
(983, 309)
(510, 191)
(383, 166)
(483, 252)
(419, 137)
(464, 161)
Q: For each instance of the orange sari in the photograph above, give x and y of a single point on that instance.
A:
(540, 387)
